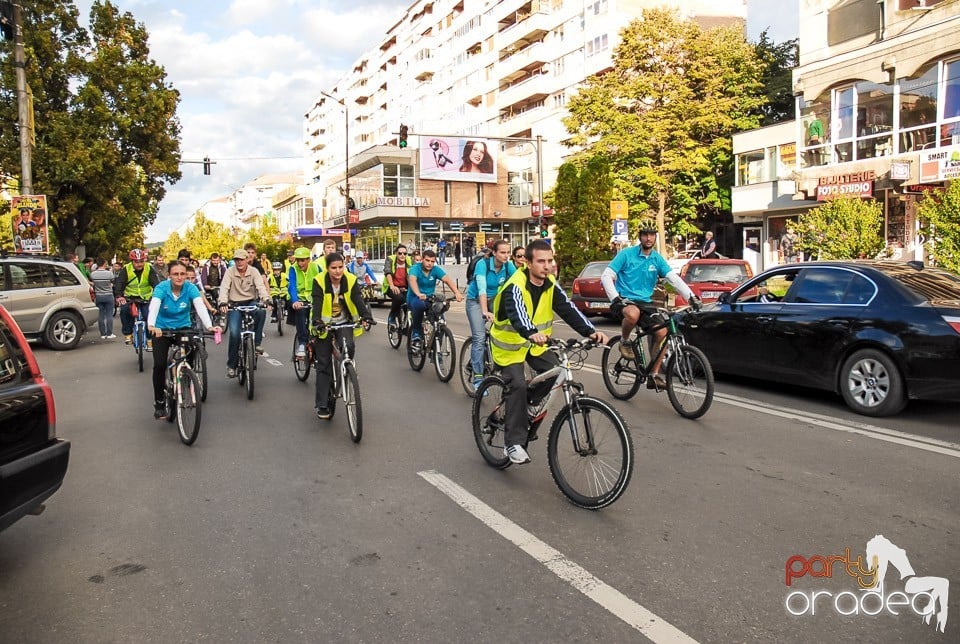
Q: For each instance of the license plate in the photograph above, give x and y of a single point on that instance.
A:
(598, 305)
(712, 294)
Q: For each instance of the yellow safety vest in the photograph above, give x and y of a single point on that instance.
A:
(390, 266)
(138, 287)
(278, 284)
(303, 283)
(326, 309)
(508, 346)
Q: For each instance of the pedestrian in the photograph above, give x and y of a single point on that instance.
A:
(102, 279)
(457, 250)
(789, 246)
(442, 251)
(160, 267)
(709, 250)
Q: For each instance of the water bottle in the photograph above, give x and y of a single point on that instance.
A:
(217, 336)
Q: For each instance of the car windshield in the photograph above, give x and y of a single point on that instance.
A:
(593, 270)
(715, 273)
(929, 283)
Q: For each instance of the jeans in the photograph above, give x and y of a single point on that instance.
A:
(441, 257)
(105, 319)
(396, 301)
(477, 332)
(517, 397)
(233, 328)
(324, 358)
(417, 308)
(301, 316)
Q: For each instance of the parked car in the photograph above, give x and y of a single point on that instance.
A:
(48, 297)
(682, 257)
(876, 332)
(708, 278)
(588, 294)
(33, 461)
(376, 294)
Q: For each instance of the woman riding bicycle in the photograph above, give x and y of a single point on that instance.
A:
(337, 299)
(169, 311)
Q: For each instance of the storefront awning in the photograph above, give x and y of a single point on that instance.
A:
(308, 231)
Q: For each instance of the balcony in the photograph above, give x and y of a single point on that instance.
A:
(535, 88)
(528, 28)
(521, 118)
(514, 64)
(764, 196)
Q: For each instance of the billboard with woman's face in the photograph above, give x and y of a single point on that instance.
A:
(458, 159)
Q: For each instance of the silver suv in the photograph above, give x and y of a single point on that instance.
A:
(49, 298)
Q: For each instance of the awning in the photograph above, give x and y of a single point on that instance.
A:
(308, 231)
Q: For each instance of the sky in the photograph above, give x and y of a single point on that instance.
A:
(248, 70)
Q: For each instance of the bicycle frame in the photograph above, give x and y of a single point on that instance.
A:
(563, 372)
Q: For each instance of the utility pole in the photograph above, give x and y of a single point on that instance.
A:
(661, 222)
(23, 103)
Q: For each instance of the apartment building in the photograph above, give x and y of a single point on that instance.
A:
(459, 73)
(878, 116)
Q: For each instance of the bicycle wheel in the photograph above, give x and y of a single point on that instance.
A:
(140, 342)
(690, 382)
(301, 366)
(417, 358)
(249, 357)
(597, 474)
(198, 363)
(188, 406)
(489, 411)
(466, 368)
(394, 336)
(351, 402)
(280, 310)
(169, 400)
(444, 354)
(619, 374)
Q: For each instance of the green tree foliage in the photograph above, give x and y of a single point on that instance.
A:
(665, 113)
(582, 215)
(206, 237)
(107, 134)
(172, 246)
(939, 210)
(266, 235)
(777, 79)
(842, 228)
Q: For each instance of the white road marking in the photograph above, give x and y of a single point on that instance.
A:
(274, 362)
(650, 625)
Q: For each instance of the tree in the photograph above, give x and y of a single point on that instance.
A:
(581, 214)
(842, 228)
(206, 237)
(266, 235)
(939, 210)
(777, 79)
(664, 115)
(172, 246)
(107, 134)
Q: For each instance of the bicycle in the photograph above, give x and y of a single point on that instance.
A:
(182, 393)
(198, 362)
(399, 328)
(247, 351)
(466, 365)
(301, 364)
(344, 384)
(280, 308)
(139, 328)
(594, 470)
(437, 342)
(688, 375)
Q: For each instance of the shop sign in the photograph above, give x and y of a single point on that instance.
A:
(340, 220)
(334, 231)
(856, 184)
(940, 165)
(899, 171)
(404, 201)
(353, 217)
(922, 188)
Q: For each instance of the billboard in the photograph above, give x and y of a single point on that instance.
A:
(447, 158)
(30, 220)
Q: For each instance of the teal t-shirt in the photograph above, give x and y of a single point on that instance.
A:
(637, 274)
(426, 282)
(488, 279)
(175, 311)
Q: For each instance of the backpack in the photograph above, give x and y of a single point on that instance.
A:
(472, 267)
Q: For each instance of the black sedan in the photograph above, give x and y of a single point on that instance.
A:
(877, 332)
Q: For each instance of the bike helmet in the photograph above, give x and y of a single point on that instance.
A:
(277, 266)
(138, 255)
(301, 253)
(647, 225)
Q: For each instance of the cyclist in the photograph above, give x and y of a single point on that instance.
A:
(192, 279)
(277, 283)
(137, 279)
(519, 256)
(423, 283)
(489, 274)
(211, 275)
(361, 269)
(242, 285)
(395, 271)
(336, 300)
(522, 325)
(319, 265)
(170, 310)
(298, 287)
(633, 275)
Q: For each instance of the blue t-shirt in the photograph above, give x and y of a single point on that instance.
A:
(426, 282)
(488, 279)
(637, 274)
(175, 311)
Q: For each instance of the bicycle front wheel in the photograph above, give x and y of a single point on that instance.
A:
(619, 373)
(301, 365)
(280, 309)
(351, 401)
(394, 334)
(249, 361)
(444, 354)
(593, 467)
(466, 368)
(188, 406)
(417, 353)
(489, 417)
(140, 340)
(198, 364)
(690, 382)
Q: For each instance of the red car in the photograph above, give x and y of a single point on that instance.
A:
(708, 278)
(588, 294)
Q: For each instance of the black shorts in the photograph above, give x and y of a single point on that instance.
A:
(650, 318)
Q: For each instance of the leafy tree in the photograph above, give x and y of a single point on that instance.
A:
(207, 236)
(266, 235)
(107, 134)
(582, 221)
(842, 228)
(777, 79)
(940, 212)
(172, 246)
(665, 113)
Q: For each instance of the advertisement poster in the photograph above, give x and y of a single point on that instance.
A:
(458, 159)
(940, 165)
(30, 221)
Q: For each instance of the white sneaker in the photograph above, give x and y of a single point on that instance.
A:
(112, 336)
(301, 351)
(516, 454)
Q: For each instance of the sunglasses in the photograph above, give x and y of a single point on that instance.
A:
(401, 253)
(519, 256)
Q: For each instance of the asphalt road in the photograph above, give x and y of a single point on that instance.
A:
(275, 527)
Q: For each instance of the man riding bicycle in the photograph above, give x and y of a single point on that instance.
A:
(336, 300)
(422, 281)
(137, 280)
(395, 280)
(361, 269)
(299, 289)
(242, 285)
(632, 275)
(522, 324)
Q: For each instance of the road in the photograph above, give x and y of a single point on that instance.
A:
(274, 526)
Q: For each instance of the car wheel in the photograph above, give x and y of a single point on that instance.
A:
(871, 384)
(63, 331)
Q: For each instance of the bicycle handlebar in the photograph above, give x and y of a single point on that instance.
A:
(573, 343)
(343, 325)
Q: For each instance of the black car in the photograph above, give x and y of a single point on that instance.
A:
(877, 332)
(33, 461)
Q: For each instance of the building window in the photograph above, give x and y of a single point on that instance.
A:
(950, 127)
(918, 110)
(750, 168)
(398, 180)
(519, 188)
(596, 46)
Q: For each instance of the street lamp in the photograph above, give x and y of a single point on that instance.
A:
(346, 148)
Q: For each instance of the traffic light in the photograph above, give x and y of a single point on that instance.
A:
(544, 232)
(403, 136)
(206, 165)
